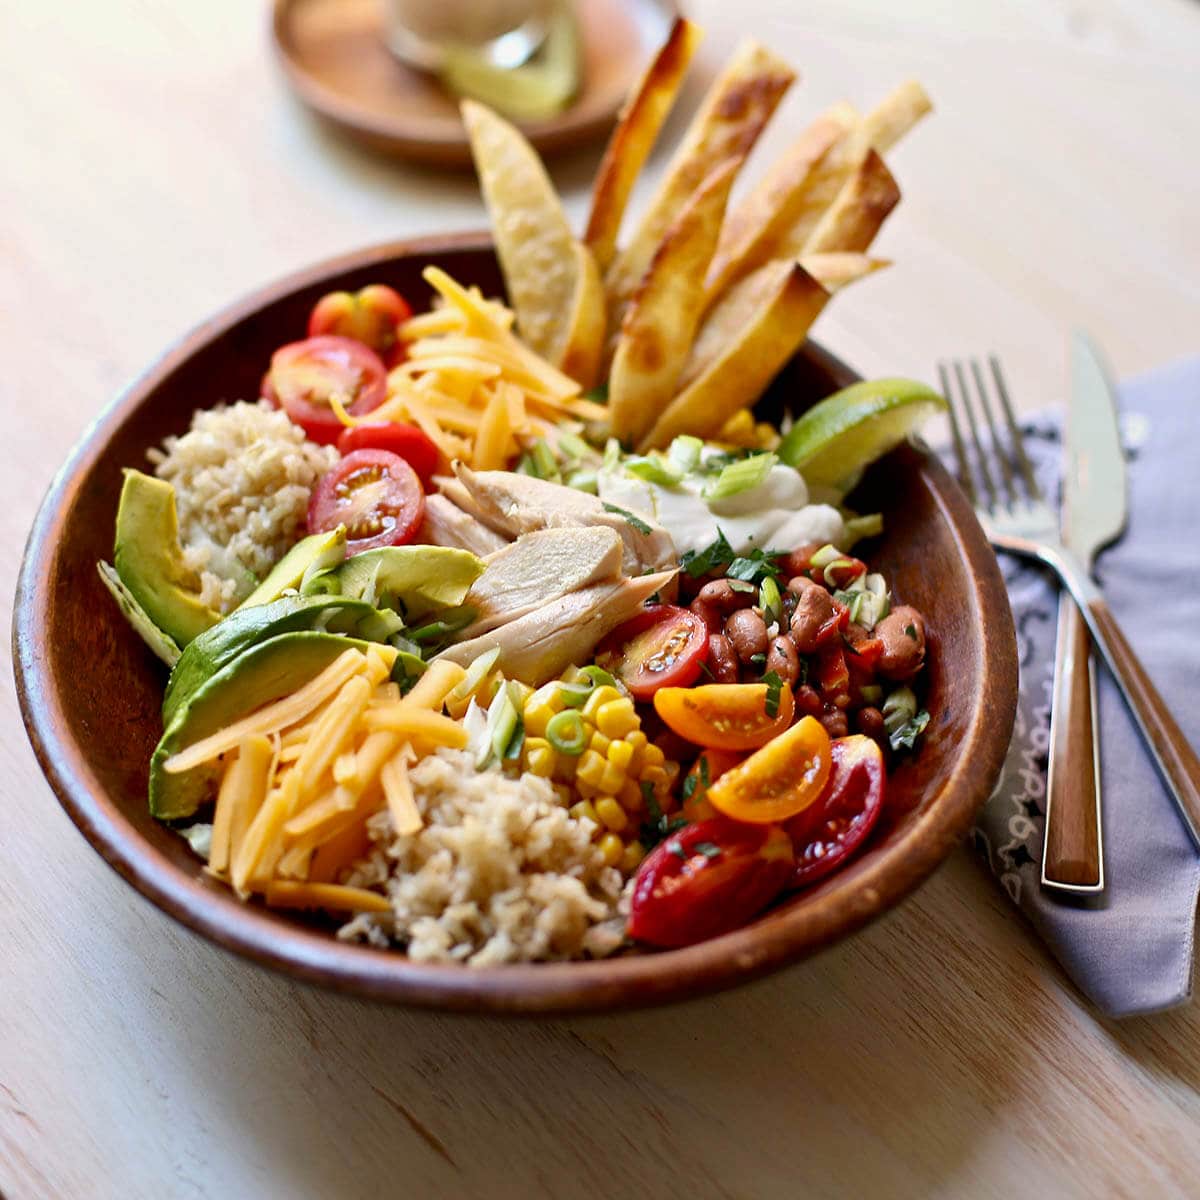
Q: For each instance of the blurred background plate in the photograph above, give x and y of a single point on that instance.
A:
(335, 57)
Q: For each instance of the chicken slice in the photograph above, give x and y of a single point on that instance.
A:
(539, 567)
(448, 525)
(514, 504)
(542, 644)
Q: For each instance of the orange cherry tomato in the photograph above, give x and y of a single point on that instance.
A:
(780, 780)
(372, 315)
(725, 716)
(706, 770)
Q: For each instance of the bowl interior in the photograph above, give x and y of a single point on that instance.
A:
(91, 691)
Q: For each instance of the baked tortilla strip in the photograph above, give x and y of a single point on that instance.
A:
(751, 332)
(587, 325)
(734, 111)
(854, 218)
(663, 313)
(637, 130)
(834, 271)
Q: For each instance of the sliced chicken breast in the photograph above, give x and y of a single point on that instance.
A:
(448, 525)
(539, 646)
(539, 567)
(514, 504)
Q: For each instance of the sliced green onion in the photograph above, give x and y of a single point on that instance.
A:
(631, 519)
(598, 676)
(684, 452)
(740, 476)
(823, 557)
(853, 600)
(837, 564)
(770, 601)
(612, 454)
(516, 695)
(544, 463)
(740, 585)
(501, 725)
(857, 528)
(652, 469)
(451, 621)
(525, 466)
(567, 733)
(899, 708)
(477, 672)
(583, 481)
(872, 693)
(575, 695)
(573, 446)
(875, 601)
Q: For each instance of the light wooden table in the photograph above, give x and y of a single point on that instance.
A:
(154, 168)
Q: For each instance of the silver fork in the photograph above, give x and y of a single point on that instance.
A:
(1026, 525)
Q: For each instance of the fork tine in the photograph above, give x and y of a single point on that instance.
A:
(1014, 430)
(964, 467)
(998, 451)
(980, 455)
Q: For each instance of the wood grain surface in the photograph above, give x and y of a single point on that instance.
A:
(155, 166)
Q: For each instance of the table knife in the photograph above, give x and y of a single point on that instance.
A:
(1093, 514)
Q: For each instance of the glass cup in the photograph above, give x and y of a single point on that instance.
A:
(505, 32)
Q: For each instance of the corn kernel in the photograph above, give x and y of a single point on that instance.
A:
(587, 790)
(638, 740)
(537, 717)
(620, 754)
(599, 743)
(611, 814)
(630, 796)
(632, 857)
(653, 756)
(541, 760)
(564, 793)
(656, 776)
(584, 809)
(590, 769)
(601, 696)
(617, 718)
(611, 778)
(611, 849)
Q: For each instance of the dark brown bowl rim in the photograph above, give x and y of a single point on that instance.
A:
(629, 982)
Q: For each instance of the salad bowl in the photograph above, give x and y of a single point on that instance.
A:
(90, 690)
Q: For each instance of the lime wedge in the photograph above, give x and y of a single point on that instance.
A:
(832, 442)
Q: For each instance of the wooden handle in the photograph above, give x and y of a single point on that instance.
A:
(1071, 853)
(1176, 759)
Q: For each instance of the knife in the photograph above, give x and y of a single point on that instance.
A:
(1094, 509)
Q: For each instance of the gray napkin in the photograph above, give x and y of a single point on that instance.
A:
(1130, 952)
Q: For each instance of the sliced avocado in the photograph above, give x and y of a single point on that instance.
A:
(149, 559)
(415, 580)
(265, 672)
(215, 648)
(135, 614)
(313, 555)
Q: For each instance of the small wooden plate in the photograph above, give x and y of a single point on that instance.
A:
(335, 57)
(90, 691)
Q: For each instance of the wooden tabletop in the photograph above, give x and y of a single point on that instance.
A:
(154, 168)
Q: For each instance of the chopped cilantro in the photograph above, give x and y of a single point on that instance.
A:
(774, 691)
(689, 786)
(630, 518)
(658, 825)
(704, 769)
(599, 394)
(756, 566)
(700, 562)
(911, 631)
(905, 738)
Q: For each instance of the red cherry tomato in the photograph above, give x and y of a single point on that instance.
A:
(663, 646)
(372, 315)
(707, 879)
(837, 824)
(376, 495)
(397, 438)
(304, 375)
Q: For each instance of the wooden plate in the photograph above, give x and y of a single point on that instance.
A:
(90, 691)
(335, 58)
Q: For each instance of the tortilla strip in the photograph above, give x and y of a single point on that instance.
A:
(752, 331)
(759, 224)
(637, 130)
(663, 313)
(854, 218)
(736, 108)
(835, 271)
(588, 322)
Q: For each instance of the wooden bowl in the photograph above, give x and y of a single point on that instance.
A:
(90, 691)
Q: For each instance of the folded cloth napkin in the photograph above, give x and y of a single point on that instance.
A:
(1130, 951)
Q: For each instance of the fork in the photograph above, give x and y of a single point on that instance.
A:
(1022, 523)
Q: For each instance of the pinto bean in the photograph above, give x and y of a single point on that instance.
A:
(712, 619)
(784, 661)
(748, 632)
(814, 610)
(836, 723)
(902, 632)
(722, 660)
(869, 721)
(808, 701)
(724, 597)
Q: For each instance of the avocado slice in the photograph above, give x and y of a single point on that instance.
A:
(415, 580)
(263, 673)
(313, 555)
(135, 614)
(215, 648)
(149, 559)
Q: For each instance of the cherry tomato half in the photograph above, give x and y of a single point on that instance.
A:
(707, 879)
(725, 716)
(778, 781)
(832, 829)
(705, 771)
(663, 646)
(410, 443)
(376, 495)
(373, 315)
(304, 375)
